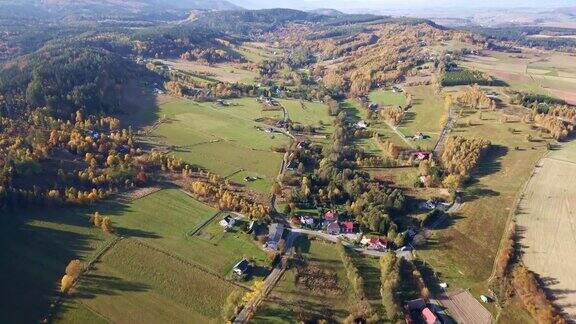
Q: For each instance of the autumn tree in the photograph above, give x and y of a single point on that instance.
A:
(107, 225)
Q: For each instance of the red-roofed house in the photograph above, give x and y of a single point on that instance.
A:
(347, 227)
(429, 316)
(375, 243)
(331, 216)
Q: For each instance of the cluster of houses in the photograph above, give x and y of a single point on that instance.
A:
(417, 311)
(328, 223)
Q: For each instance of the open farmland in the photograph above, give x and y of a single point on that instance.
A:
(465, 248)
(134, 283)
(424, 116)
(211, 249)
(223, 140)
(221, 72)
(535, 71)
(292, 300)
(546, 221)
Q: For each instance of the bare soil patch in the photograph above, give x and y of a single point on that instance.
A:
(317, 280)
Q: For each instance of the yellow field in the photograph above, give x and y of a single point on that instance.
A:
(547, 219)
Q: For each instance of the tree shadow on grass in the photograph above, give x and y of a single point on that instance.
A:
(491, 162)
(92, 285)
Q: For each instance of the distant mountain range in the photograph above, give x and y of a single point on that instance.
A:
(108, 8)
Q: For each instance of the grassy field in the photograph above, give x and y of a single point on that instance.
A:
(257, 52)
(223, 72)
(136, 284)
(211, 249)
(150, 283)
(313, 113)
(424, 116)
(287, 298)
(463, 252)
(222, 140)
(379, 126)
(387, 98)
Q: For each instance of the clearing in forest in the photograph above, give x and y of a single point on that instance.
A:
(224, 140)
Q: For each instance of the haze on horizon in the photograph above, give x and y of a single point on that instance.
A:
(395, 5)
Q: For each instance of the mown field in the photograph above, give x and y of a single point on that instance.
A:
(160, 272)
(133, 283)
(224, 72)
(223, 140)
(152, 276)
(165, 219)
(535, 71)
(288, 299)
(545, 219)
(463, 250)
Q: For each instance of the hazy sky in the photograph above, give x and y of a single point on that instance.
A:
(400, 4)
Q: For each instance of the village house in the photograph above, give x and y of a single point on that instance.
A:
(418, 136)
(227, 222)
(333, 228)
(241, 267)
(347, 227)
(301, 144)
(421, 155)
(429, 316)
(361, 125)
(306, 220)
(375, 243)
(275, 232)
(330, 216)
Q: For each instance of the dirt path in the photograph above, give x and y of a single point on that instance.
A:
(444, 133)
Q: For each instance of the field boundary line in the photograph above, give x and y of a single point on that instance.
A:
(201, 226)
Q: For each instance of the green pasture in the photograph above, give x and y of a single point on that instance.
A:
(134, 283)
(223, 140)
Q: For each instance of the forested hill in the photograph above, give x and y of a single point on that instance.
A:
(65, 79)
(246, 22)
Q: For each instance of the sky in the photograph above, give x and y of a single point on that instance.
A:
(393, 5)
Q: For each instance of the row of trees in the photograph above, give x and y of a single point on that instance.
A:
(224, 199)
(474, 97)
(556, 126)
